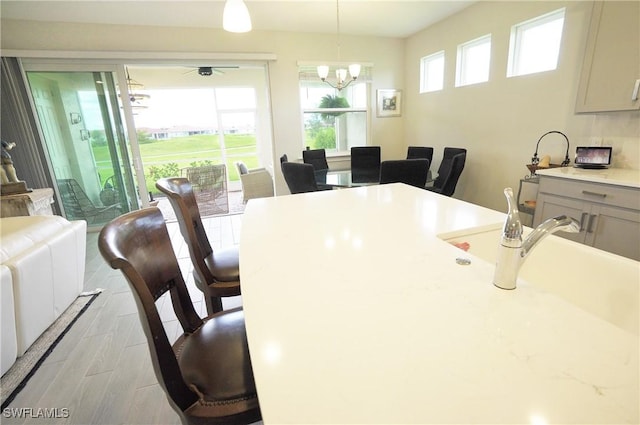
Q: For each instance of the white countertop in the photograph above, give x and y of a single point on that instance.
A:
(357, 312)
(615, 176)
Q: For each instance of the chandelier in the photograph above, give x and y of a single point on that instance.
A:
(341, 73)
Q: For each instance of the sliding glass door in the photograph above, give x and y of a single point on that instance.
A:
(81, 119)
(110, 130)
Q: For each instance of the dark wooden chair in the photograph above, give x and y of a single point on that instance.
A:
(365, 164)
(413, 172)
(315, 157)
(216, 273)
(206, 374)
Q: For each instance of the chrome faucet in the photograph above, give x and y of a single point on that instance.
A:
(512, 251)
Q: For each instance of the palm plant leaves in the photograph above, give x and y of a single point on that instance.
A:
(328, 102)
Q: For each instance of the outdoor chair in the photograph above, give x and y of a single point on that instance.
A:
(256, 183)
(78, 206)
(209, 183)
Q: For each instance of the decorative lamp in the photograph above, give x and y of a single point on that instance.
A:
(235, 17)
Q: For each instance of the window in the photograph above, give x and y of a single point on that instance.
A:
(432, 72)
(535, 44)
(333, 120)
(474, 58)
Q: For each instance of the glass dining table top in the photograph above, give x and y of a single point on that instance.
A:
(345, 178)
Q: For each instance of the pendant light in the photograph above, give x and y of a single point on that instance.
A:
(235, 17)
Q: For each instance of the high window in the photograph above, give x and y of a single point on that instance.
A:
(432, 72)
(333, 120)
(535, 44)
(473, 62)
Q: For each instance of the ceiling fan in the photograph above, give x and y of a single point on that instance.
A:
(135, 96)
(207, 71)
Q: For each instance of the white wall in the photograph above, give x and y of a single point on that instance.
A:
(387, 55)
(499, 122)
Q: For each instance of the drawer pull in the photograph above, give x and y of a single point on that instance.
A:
(590, 225)
(582, 220)
(586, 192)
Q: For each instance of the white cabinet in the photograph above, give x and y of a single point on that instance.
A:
(611, 68)
(609, 215)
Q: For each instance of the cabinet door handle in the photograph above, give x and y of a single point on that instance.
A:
(582, 220)
(590, 225)
(586, 192)
(636, 87)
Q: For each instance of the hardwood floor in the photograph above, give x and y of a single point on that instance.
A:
(101, 370)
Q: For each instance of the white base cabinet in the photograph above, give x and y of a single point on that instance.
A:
(609, 215)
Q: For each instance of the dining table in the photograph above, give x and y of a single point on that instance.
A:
(349, 178)
(359, 312)
(345, 178)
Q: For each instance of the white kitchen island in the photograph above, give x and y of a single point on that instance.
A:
(357, 313)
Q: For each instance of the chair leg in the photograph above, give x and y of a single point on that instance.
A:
(214, 304)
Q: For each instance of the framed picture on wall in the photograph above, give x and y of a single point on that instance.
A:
(75, 118)
(389, 103)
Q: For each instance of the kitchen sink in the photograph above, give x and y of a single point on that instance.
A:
(604, 284)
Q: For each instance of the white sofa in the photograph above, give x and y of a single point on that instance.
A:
(42, 271)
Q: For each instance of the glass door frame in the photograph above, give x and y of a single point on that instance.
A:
(117, 62)
(129, 131)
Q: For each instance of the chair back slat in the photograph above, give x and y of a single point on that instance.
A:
(180, 194)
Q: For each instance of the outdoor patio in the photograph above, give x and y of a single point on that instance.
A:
(235, 206)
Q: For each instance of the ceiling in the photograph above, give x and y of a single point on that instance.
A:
(396, 18)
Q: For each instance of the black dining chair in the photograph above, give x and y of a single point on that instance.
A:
(449, 172)
(414, 152)
(413, 172)
(315, 157)
(300, 177)
(284, 158)
(365, 164)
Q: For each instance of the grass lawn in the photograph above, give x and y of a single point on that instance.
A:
(182, 152)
